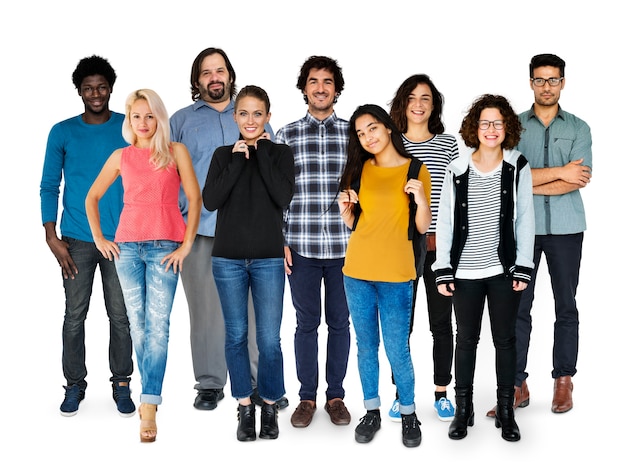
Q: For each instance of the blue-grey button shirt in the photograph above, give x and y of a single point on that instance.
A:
(566, 139)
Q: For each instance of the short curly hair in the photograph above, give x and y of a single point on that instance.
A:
(94, 65)
(512, 124)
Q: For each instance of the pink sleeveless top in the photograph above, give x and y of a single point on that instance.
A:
(150, 209)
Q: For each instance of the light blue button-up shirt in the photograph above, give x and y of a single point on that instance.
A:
(203, 129)
(566, 139)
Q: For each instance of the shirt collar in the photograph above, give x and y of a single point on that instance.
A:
(201, 103)
(329, 121)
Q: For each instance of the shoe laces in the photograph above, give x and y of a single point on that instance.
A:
(369, 419)
(72, 392)
(444, 404)
(121, 392)
(410, 422)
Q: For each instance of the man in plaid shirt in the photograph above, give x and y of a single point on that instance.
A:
(316, 239)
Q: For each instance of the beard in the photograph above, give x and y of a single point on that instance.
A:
(216, 95)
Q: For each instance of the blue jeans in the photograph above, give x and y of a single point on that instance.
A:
(77, 297)
(563, 254)
(149, 295)
(265, 278)
(388, 304)
(305, 281)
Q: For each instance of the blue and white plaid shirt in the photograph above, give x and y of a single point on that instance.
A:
(313, 226)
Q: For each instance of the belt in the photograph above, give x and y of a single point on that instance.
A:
(431, 242)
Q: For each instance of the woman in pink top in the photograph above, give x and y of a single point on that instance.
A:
(152, 239)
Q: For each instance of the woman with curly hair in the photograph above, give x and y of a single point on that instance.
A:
(485, 236)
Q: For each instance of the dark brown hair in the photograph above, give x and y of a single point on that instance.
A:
(512, 125)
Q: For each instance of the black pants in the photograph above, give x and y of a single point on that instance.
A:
(469, 303)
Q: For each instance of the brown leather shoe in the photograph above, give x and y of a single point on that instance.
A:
(522, 399)
(562, 400)
(338, 412)
(303, 415)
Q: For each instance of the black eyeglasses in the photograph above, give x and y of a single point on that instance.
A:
(497, 125)
(552, 81)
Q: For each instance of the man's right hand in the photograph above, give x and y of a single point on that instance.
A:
(61, 252)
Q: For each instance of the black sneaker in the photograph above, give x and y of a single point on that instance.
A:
(121, 396)
(367, 427)
(73, 396)
(207, 399)
(411, 433)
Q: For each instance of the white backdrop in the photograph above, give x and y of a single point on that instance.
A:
(468, 48)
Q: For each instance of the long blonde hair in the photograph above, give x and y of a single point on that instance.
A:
(160, 145)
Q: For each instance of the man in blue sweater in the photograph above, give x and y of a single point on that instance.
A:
(76, 151)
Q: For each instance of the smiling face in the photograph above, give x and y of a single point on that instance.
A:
(251, 116)
(420, 105)
(491, 137)
(372, 134)
(95, 92)
(320, 92)
(142, 122)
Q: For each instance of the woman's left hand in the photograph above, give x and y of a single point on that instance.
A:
(415, 187)
(519, 285)
(175, 259)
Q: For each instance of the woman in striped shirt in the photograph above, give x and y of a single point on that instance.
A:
(416, 109)
(485, 236)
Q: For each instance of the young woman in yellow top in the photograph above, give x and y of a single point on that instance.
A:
(379, 269)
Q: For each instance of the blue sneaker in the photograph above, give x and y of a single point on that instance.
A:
(445, 409)
(73, 396)
(394, 412)
(121, 396)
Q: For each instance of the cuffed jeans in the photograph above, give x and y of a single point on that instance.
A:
(77, 298)
(389, 305)
(469, 303)
(149, 295)
(305, 281)
(563, 255)
(265, 278)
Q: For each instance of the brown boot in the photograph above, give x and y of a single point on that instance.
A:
(522, 399)
(562, 400)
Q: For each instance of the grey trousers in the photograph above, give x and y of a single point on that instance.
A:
(206, 321)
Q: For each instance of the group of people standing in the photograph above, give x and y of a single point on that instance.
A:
(353, 212)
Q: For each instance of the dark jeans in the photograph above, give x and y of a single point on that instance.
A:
(77, 297)
(305, 282)
(469, 303)
(563, 255)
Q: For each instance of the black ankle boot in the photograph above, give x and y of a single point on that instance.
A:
(269, 421)
(246, 430)
(463, 415)
(505, 416)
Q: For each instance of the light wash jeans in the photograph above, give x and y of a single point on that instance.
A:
(265, 278)
(149, 295)
(388, 304)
